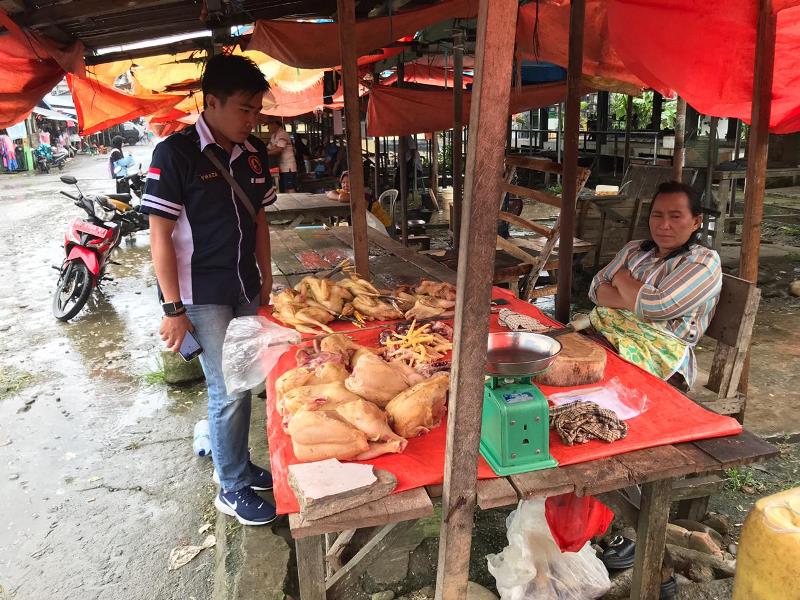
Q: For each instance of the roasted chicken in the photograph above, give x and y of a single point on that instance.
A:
(420, 408)
(375, 379)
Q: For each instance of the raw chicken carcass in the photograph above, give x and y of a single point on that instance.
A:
(420, 408)
(328, 372)
(324, 396)
(427, 307)
(437, 289)
(372, 422)
(318, 435)
(375, 379)
(376, 310)
(358, 287)
(292, 311)
(324, 291)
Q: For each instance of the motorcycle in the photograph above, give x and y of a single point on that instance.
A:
(128, 204)
(46, 158)
(88, 244)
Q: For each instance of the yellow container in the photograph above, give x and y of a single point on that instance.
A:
(768, 560)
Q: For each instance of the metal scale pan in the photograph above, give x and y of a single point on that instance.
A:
(517, 353)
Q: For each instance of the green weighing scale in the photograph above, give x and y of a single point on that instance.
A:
(515, 431)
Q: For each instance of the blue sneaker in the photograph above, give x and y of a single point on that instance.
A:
(262, 479)
(247, 506)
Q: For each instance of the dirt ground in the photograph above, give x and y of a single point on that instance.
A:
(97, 475)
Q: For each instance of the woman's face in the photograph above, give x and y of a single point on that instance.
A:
(672, 222)
(346, 183)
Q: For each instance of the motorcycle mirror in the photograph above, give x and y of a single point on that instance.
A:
(69, 179)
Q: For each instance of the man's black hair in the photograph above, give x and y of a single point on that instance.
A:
(227, 74)
(695, 206)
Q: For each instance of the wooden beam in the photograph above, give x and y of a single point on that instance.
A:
(757, 150)
(569, 181)
(539, 195)
(711, 165)
(83, 11)
(311, 567)
(458, 126)
(489, 111)
(651, 534)
(628, 125)
(679, 152)
(352, 118)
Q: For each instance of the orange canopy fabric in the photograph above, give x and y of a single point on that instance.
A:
(427, 75)
(402, 111)
(551, 43)
(30, 66)
(705, 52)
(100, 106)
(316, 45)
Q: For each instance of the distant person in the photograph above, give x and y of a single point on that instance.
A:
(281, 146)
(118, 165)
(302, 154)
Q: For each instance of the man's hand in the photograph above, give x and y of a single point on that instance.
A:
(173, 330)
(266, 290)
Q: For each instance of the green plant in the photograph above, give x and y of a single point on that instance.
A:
(13, 381)
(555, 189)
(741, 479)
(642, 108)
(445, 158)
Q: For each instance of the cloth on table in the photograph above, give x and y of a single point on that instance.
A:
(579, 422)
(646, 345)
(517, 322)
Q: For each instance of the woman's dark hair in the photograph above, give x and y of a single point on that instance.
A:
(695, 206)
(117, 141)
(227, 74)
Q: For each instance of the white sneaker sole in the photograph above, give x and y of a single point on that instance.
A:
(215, 479)
(227, 510)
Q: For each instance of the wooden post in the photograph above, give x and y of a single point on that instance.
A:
(434, 146)
(458, 125)
(711, 164)
(658, 106)
(628, 125)
(311, 566)
(651, 535)
(358, 204)
(757, 149)
(569, 181)
(489, 110)
(402, 164)
(679, 152)
(377, 191)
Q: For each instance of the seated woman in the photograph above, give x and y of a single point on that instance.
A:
(656, 298)
(373, 206)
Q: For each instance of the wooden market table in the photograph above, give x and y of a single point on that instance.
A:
(304, 207)
(300, 252)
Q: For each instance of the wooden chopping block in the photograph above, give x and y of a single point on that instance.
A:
(328, 487)
(581, 361)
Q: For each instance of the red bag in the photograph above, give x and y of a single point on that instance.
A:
(575, 520)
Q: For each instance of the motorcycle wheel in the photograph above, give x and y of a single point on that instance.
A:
(72, 291)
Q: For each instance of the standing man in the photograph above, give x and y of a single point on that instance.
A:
(281, 146)
(212, 257)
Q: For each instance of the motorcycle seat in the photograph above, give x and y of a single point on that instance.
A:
(120, 197)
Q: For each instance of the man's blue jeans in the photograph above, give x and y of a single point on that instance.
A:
(228, 415)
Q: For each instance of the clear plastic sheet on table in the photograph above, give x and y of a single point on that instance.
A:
(251, 349)
(532, 567)
(627, 402)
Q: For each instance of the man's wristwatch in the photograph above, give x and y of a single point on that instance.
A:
(174, 309)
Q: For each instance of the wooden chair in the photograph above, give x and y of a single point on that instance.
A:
(536, 251)
(732, 328)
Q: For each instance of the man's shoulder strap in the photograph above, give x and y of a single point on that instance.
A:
(237, 189)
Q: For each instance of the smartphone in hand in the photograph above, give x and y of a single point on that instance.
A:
(190, 347)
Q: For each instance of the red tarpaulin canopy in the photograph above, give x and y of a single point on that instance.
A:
(316, 45)
(100, 106)
(30, 66)
(401, 111)
(427, 75)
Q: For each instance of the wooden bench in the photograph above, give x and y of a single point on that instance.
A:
(732, 329)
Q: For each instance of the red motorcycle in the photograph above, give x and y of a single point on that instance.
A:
(88, 244)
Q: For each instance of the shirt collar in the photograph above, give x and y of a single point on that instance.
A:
(206, 137)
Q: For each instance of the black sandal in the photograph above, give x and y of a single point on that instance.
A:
(619, 553)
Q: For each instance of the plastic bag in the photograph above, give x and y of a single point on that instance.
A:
(574, 520)
(251, 348)
(627, 402)
(532, 567)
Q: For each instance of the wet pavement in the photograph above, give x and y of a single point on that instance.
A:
(97, 477)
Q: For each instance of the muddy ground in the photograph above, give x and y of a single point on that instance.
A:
(97, 477)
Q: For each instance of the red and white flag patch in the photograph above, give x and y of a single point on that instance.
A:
(154, 173)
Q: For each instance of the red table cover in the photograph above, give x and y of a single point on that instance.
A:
(670, 419)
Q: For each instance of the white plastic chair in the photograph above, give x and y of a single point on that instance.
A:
(387, 201)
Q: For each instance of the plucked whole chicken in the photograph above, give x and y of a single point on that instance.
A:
(420, 408)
